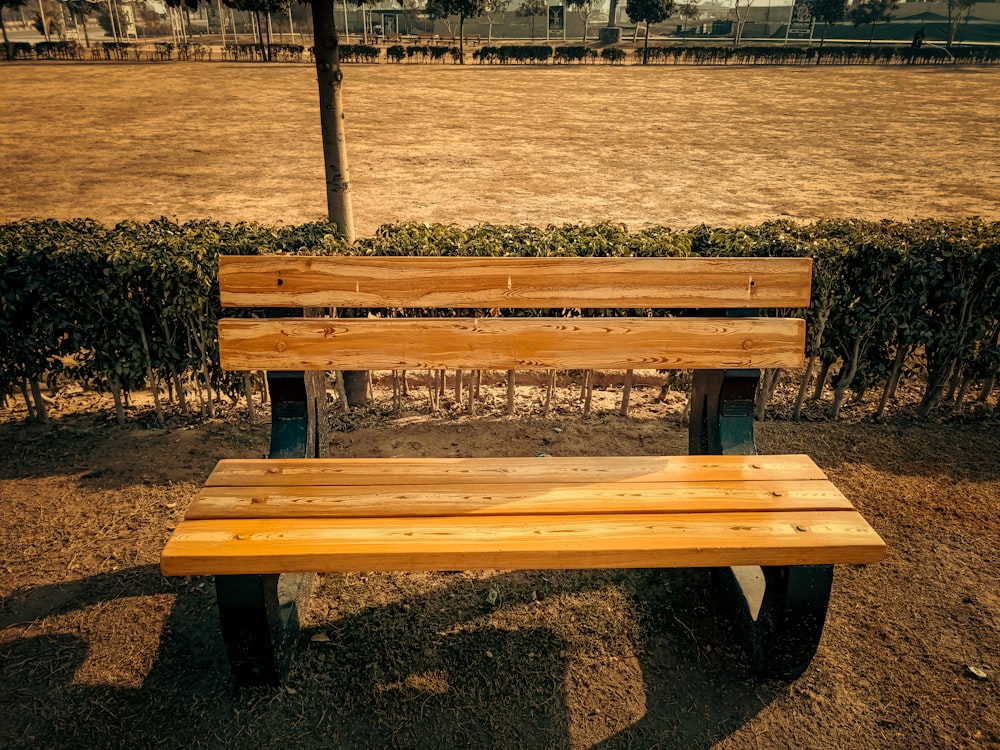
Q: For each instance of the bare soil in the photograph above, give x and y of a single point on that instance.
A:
(97, 650)
(672, 146)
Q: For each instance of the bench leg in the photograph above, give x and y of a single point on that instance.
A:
(259, 613)
(781, 625)
(780, 611)
(260, 625)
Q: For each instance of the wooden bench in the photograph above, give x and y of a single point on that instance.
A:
(771, 520)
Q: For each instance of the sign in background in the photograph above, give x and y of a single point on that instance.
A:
(556, 18)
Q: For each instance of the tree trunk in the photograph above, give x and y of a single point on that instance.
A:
(248, 394)
(8, 48)
(987, 389)
(45, 29)
(803, 387)
(767, 386)
(588, 391)
(549, 389)
(222, 23)
(824, 372)
(181, 396)
(846, 378)
(269, 38)
(27, 399)
(956, 379)
(331, 113)
(626, 392)
(645, 47)
(338, 384)
(260, 35)
(962, 391)
(937, 380)
(116, 393)
(890, 386)
(153, 384)
(432, 389)
(461, 39)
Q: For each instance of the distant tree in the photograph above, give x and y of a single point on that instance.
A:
(532, 9)
(79, 10)
(491, 8)
(958, 16)
(742, 12)
(827, 11)
(258, 7)
(49, 21)
(586, 9)
(650, 11)
(689, 12)
(461, 8)
(12, 4)
(873, 12)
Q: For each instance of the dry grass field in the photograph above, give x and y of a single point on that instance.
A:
(560, 144)
(97, 650)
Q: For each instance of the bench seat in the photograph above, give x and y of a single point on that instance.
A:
(340, 515)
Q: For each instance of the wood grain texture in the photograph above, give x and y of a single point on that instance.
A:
(510, 343)
(524, 499)
(413, 472)
(229, 546)
(427, 282)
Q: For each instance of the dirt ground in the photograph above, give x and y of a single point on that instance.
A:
(97, 650)
(560, 144)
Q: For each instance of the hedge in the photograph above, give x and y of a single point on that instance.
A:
(125, 307)
(537, 54)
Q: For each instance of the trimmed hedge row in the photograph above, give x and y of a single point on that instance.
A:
(845, 54)
(537, 54)
(136, 305)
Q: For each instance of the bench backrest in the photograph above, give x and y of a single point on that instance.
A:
(485, 342)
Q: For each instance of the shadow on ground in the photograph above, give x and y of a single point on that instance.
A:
(428, 670)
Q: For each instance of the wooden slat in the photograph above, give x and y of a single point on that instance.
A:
(510, 343)
(214, 547)
(414, 472)
(524, 499)
(407, 282)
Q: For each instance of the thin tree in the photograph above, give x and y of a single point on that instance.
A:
(873, 12)
(586, 9)
(689, 12)
(12, 4)
(650, 11)
(490, 9)
(41, 23)
(741, 19)
(958, 16)
(461, 8)
(827, 11)
(532, 9)
(80, 10)
(259, 8)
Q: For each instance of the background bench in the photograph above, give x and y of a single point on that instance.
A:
(772, 525)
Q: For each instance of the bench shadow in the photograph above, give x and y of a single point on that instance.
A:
(400, 674)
